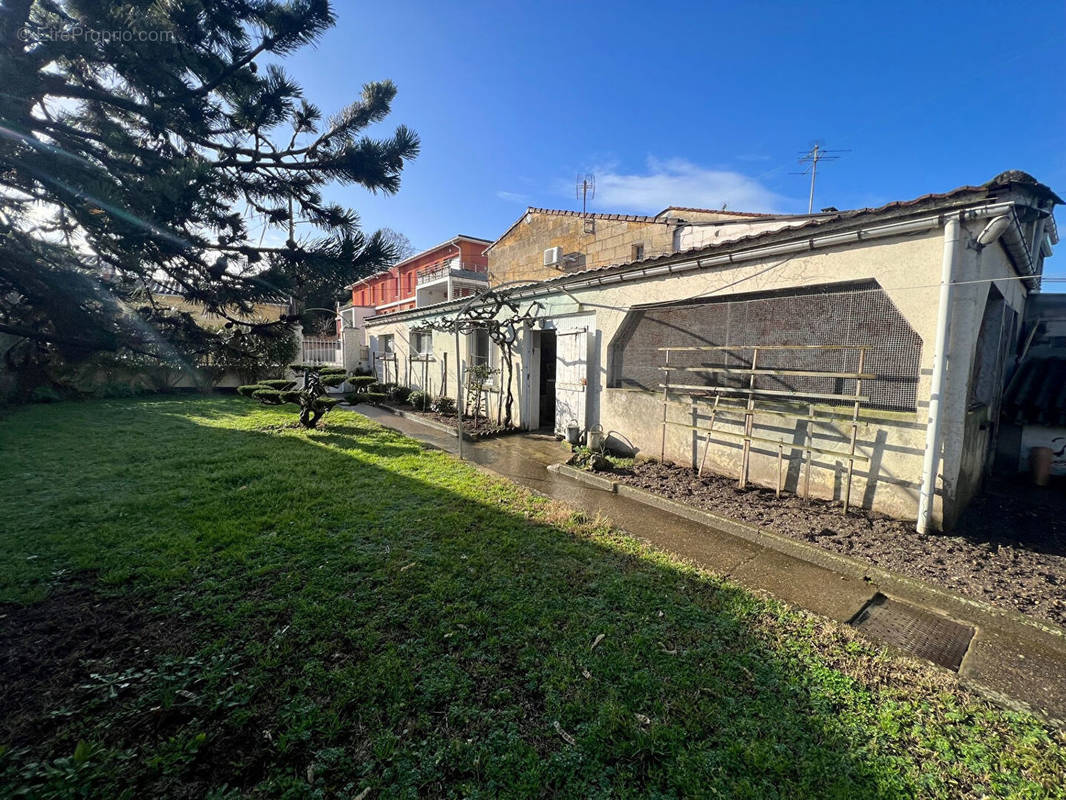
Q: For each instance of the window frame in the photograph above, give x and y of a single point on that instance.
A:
(489, 359)
(419, 339)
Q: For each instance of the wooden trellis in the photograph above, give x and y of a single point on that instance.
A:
(753, 395)
(421, 364)
(386, 374)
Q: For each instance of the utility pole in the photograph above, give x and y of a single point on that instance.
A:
(813, 156)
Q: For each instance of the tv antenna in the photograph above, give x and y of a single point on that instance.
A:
(586, 190)
(813, 156)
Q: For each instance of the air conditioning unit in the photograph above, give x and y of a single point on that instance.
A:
(552, 256)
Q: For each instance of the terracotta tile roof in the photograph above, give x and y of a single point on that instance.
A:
(726, 213)
(562, 212)
(1004, 182)
(960, 197)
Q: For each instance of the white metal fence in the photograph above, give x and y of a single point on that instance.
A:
(316, 350)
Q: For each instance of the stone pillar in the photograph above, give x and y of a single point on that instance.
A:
(351, 348)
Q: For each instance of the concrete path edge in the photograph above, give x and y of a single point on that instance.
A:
(942, 600)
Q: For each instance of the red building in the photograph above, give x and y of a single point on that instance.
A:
(455, 268)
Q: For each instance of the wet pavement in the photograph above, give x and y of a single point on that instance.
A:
(1012, 660)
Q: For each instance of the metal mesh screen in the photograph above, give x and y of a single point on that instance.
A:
(827, 316)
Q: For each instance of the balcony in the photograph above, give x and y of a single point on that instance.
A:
(447, 281)
(452, 269)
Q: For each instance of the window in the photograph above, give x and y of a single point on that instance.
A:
(422, 343)
(479, 347)
(385, 344)
(636, 252)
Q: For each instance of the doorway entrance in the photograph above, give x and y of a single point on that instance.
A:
(546, 381)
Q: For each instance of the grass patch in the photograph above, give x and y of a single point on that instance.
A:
(219, 605)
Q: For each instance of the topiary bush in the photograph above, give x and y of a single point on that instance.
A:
(419, 400)
(309, 394)
(445, 406)
(374, 398)
(399, 394)
(362, 383)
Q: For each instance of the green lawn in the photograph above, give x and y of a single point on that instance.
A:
(202, 602)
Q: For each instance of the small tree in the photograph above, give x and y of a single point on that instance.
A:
(311, 396)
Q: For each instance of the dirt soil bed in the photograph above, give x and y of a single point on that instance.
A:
(1009, 549)
(484, 429)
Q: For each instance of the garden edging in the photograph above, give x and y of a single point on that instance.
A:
(902, 587)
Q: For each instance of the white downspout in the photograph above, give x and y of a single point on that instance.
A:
(952, 239)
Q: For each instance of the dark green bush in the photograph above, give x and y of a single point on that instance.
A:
(444, 405)
(378, 388)
(267, 395)
(44, 394)
(363, 383)
(308, 391)
(374, 398)
(399, 394)
(354, 398)
(321, 369)
(420, 400)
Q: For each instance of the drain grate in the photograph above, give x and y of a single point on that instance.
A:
(915, 630)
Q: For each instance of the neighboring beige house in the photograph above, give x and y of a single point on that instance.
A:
(544, 242)
(167, 294)
(930, 291)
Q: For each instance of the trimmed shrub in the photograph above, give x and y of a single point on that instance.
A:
(265, 394)
(374, 398)
(309, 392)
(444, 405)
(44, 394)
(354, 398)
(399, 394)
(321, 369)
(420, 400)
(362, 383)
(378, 388)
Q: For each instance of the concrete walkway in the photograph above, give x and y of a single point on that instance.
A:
(1012, 659)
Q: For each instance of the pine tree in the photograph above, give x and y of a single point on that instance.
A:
(148, 140)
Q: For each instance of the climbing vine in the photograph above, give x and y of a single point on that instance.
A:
(483, 313)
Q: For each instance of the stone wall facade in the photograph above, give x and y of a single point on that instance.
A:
(593, 241)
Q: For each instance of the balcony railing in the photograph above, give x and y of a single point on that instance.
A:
(435, 273)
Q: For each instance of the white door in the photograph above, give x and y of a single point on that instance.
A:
(571, 378)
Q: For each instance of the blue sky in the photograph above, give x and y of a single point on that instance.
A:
(695, 104)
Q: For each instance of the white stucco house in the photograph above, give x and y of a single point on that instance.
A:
(859, 353)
